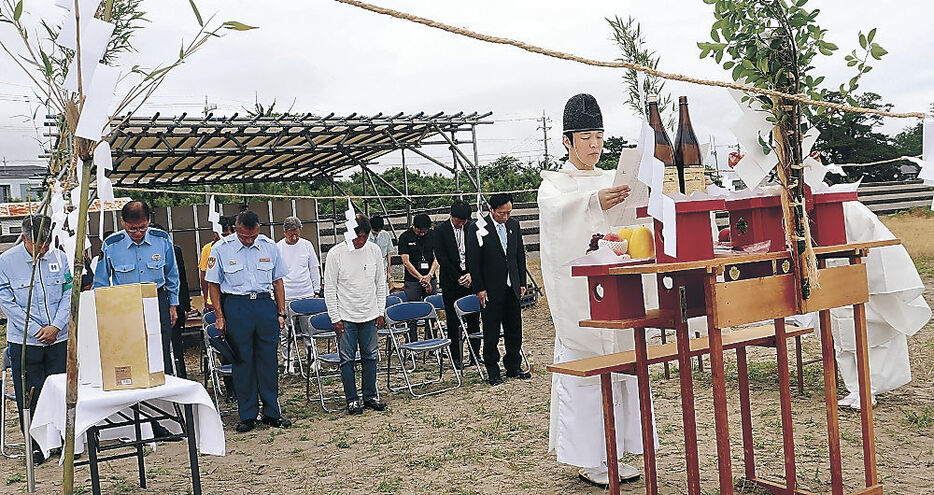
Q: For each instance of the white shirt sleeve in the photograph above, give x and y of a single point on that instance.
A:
(331, 270)
(314, 267)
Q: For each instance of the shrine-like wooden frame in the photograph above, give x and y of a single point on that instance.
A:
(776, 298)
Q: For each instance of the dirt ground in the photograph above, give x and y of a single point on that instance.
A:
(482, 439)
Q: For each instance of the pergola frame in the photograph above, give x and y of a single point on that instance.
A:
(182, 151)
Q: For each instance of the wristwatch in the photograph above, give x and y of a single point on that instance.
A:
(283, 315)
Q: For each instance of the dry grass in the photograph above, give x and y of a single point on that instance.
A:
(916, 230)
(479, 439)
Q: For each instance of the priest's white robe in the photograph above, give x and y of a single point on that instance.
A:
(569, 214)
(896, 308)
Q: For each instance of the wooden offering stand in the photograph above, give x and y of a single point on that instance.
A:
(718, 288)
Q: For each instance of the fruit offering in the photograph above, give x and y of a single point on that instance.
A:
(642, 243)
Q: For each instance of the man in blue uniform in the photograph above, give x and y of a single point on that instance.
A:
(245, 274)
(47, 328)
(139, 254)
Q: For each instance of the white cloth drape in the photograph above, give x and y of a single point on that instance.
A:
(896, 308)
(569, 213)
(95, 405)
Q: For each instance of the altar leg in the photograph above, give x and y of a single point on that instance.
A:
(686, 380)
(865, 395)
(784, 393)
(830, 403)
(645, 407)
(742, 372)
(721, 417)
(193, 450)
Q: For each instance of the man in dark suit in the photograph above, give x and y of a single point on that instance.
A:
(497, 268)
(451, 253)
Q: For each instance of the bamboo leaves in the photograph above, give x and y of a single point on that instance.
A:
(18, 10)
(238, 26)
(197, 14)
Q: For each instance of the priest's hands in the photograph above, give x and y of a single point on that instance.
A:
(482, 296)
(612, 196)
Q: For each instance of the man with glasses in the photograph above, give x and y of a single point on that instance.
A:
(245, 273)
(139, 254)
(46, 331)
(497, 272)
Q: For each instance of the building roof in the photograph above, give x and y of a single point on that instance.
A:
(20, 171)
(194, 151)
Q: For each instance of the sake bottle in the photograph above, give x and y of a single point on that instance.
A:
(687, 152)
(663, 149)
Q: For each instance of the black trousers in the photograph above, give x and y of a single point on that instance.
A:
(178, 346)
(507, 314)
(41, 361)
(455, 332)
(166, 321)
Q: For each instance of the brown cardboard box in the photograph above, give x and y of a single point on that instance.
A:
(129, 335)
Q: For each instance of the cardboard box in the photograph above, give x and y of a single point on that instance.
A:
(129, 336)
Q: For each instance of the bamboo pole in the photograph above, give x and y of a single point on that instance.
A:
(71, 364)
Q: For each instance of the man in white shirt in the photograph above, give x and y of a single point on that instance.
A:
(304, 278)
(355, 294)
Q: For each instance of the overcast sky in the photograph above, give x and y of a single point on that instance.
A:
(331, 57)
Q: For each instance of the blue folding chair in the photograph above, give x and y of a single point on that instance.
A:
(437, 301)
(299, 307)
(316, 328)
(471, 305)
(400, 315)
(6, 396)
(215, 370)
(392, 299)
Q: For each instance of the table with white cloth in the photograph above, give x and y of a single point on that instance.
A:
(127, 414)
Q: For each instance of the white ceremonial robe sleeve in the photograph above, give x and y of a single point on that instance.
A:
(569, 214)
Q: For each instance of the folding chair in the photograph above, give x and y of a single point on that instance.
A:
(215, 370)
(437, 301)
(316, 328)
(393, 299)
(299, 307)
(400, 315)
(471, 305)
(208, 318)
(6, 396)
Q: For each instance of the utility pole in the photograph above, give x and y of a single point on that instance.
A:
(208, 108)
(545, 128)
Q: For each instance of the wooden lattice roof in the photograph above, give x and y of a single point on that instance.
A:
(193, 151)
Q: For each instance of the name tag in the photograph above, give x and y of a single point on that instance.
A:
(264, 260)
(53, 267)
(423, 265)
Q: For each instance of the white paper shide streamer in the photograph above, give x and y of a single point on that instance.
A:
(351, 224)
(652, 173)
(481, 222)
(214, 217)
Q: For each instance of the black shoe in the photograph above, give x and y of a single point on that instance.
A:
(163, 434)
(522, 375)
(374, 404)
(279, 422)
(37, 457)
(495, 380)
(354, 407)
(246, 425)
